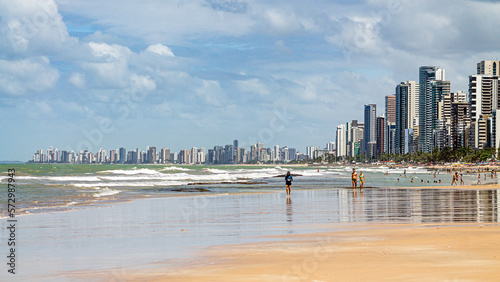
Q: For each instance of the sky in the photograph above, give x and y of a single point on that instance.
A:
(78, 74)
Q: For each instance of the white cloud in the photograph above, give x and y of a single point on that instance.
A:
(111, 52)
(253, 85)
(211, 92)
(160, 49)
(29, 75)
(78, 80)
(282, 22)
(33, 27)
(142, 83)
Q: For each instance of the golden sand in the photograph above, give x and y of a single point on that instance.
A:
(376, 252)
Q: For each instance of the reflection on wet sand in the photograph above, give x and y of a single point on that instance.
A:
(289, 211)
(419, 206)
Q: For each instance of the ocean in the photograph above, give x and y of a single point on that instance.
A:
(58, 187)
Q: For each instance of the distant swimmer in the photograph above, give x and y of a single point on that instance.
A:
(361, 179)
(439, 181)
(354, 177)
(288, 180)
(412, 180)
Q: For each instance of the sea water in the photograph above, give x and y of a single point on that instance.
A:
(59, 187)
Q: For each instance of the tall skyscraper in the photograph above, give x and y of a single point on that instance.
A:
(340, 141)
(488, 68)
(152, 155)
(123, 155)
(164, 155)
(390, 108)
(390, 121)
(370, 131)
(407, 111)
(380, 135)
(428, 105)
(460, 122)
(483, 98)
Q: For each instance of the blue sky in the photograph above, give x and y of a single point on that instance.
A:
(182, 74)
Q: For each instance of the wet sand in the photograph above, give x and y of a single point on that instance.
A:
(459, 187)
(264, 237)
(376, 252)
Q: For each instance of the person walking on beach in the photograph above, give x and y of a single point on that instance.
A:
(361, 179)
(354, 177)
(462, 179)
(288, 182)
(455, 179)
(479, 178)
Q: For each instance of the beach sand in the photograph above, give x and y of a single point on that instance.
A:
(464, 252)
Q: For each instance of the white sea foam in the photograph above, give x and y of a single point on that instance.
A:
(175, 168)
(106, 192)
(129, 184)
(130, 172)
(72, 178)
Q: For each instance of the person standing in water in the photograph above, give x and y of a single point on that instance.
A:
(288, 182)
(361, 179)
(354, 177)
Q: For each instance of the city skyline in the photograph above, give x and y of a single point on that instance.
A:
(228, 154)
(96, 74)
(425, 116)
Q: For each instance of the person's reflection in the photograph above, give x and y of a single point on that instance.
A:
(289, 210)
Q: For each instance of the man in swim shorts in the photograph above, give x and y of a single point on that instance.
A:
(354, 177)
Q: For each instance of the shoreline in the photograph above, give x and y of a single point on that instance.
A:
(374, 252)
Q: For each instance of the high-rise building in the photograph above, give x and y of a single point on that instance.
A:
(122, 152)
(164, 156)
(390, 119)
(483, 98)
(488, 68)
(357, 137)
(380, 135)
(152, 155)
(370, 130)
(390, 108)
(340, 140)
(460, 122)
(407, 111)
(330, 146)
(428, 105)
(310, 151)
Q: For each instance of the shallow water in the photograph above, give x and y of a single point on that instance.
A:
(171, 229)
(47, 188)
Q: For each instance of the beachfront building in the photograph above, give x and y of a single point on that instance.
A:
(390, 123)
(310, 151)
(460, 124)
(407, 111)
(429, 86)
(380, 135)
(370, 130)
(488, 68)
(164, 156)
(340, 140)
(483, 99)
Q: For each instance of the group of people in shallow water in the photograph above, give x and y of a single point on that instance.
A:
(361, 177)
(355, 176)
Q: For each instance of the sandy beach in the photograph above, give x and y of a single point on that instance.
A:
(323, 235)
(378, 252)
